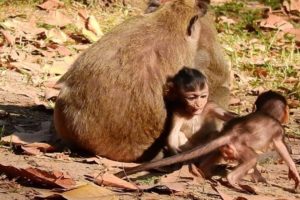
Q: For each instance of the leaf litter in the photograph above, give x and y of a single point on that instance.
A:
(43, 48)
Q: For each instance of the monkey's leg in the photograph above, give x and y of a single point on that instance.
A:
(248, 159)
(208, 163)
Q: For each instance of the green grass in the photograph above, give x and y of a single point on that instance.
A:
(274, 4)
(19, 2)
(246, 43)
(147, 180)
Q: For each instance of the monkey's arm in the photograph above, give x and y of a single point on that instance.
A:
(173, 142)
(283, 152)
(220, 112)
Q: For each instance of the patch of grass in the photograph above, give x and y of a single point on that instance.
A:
(266, 161)
(274, 4)
(244, 17)
(19, 2)
(147, 180)
(251, 48)
(44, 25)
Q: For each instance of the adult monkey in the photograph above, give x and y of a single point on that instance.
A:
(209, 58)
(111, 102)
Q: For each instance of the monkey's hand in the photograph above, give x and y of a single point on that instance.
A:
(295, 176)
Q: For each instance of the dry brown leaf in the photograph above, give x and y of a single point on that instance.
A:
(51, 179)
(80, 47)
(8, 37)
(57, 18)
(52, 82)
(34, 68)
(111, 163)
(48, 54)
(227, 20)
(113, 181)
(16, 55)
(110, 180)
(291, 80)
(63, 51)
(19, 91)
(43, 147)
(30, 151)
(295, 32)
(184, 174)
(293, 103)
(58, 68)
(92, 37)
(234, 101)
(275, 22)
(292, 6)
(51, 5)
(93, 25)
(86, 192)
(56, 35)
(84, 13)
(260, 72)
(23, 26)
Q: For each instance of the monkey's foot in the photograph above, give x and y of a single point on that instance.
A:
(248, 189)
(240, 187)
(258, 178)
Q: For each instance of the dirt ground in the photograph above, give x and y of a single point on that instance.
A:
(23, 108)
(25, 115)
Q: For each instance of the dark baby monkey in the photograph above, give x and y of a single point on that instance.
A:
(186, 97)
(242, 138)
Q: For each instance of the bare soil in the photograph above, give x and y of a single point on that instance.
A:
(23, 108)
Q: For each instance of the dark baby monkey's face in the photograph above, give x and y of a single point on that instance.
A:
(196, 100)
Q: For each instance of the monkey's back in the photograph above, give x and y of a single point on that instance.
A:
(253, 127)
(111, 102)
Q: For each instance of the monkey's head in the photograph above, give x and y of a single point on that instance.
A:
(186, 92)
(273, 104)
(154, 5)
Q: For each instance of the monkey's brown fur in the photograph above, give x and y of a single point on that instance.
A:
(111, 103)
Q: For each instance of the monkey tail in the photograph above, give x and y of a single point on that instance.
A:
(182, 157)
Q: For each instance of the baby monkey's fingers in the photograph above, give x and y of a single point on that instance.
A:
(295, 176)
